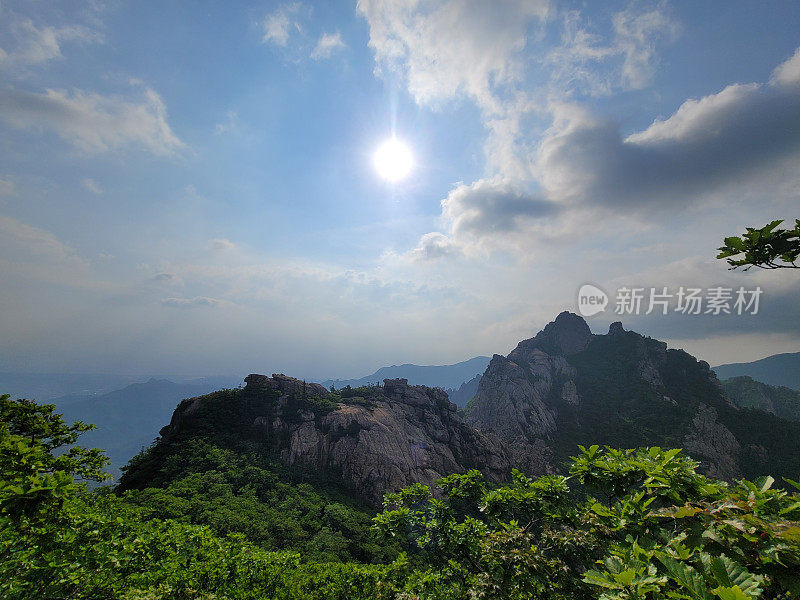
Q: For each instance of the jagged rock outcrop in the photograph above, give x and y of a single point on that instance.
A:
(285, 385)
(518, 394)
(714, 443)
(387, 439)
(566, 387)
(563, 387)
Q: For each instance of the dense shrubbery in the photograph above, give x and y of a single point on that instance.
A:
(218, 471)
(624, 524)
(656, 529)
(249, 494)
(57, 540)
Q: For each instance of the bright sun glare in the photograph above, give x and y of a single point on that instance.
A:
(393, 160)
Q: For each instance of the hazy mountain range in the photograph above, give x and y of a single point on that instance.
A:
(128, 417)
(441, 376)
(563, 387)
(779, 369)
(777, 400)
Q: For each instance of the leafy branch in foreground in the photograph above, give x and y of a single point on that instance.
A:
(766, 248)
(659, 530)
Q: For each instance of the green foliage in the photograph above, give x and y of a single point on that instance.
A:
(660, 531)
(59, 541)
(624, 524)
(766, 248)
(38, 476)
(222, 471)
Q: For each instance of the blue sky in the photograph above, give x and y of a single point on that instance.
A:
(189, 188)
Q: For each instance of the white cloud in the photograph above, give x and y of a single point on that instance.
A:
(327, 44)
(432, 246)
(6, 187)
(635, 36)
(34, 242)
(589, 62)
(33, 255)
(452, 47)
(490, 207)
(92, 122)
(92, 186)
(38, 45)
(743, 140)
(489, 214)
(788, 72)
(279, 25)
(739, 136)
(229, 124)
(221, 244)
(197, 301)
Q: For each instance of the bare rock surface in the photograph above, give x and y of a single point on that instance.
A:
(713, 444)
(395, 435)
(566, 386)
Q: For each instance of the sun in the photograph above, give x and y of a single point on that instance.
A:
(393, 160)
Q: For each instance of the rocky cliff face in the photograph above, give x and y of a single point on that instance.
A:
(519, 395)
(561, 388)
(565, 387)
(381, 440)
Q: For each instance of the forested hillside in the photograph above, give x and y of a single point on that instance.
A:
(620, 524)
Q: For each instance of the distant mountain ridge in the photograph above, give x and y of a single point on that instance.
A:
(779, 369)
(43, 387)
(441, 376)
(129, 418)
(746, 392)
(466, 392)
(563, 387)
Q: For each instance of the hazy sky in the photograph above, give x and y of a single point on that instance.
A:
(188, 188)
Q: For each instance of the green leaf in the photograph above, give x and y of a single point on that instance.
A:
(626, 577)
(791, 534)
(686, 511)
(731, 593)
(764, 483)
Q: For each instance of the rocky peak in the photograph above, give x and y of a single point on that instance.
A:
(420, 396)
(393, 387)
(383, 439)
(616, 328)
(285, 385)
(566, 387)
(568, 334)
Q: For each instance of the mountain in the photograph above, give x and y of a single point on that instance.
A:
(441, 376)
(371, 439)
(563, 387)
(129, 418)
(466, 392)
(779, 369)
(566, 386)
(777, 400)
(43, 387)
